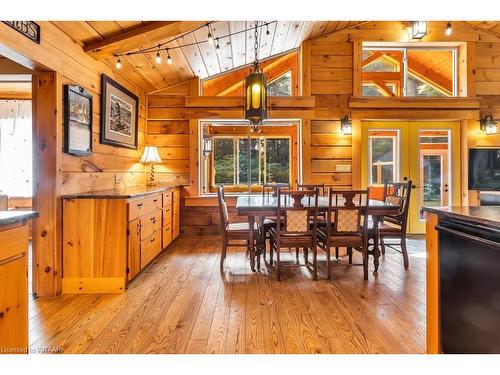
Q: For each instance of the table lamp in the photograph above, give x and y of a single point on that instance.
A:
(150, 156)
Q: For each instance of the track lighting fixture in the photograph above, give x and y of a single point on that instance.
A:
(210, 40)
(210, 37)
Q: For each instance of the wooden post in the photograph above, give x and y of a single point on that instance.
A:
(433, 329)
(306, 151)
(194, 137)
(357, 71)
(356, 154)
(47, 146)
(305, 64)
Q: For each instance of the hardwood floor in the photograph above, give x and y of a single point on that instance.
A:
(182, 304)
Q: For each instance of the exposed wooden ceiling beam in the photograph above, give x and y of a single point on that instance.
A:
(140, 36)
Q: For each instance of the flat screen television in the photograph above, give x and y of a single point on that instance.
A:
(484, 169)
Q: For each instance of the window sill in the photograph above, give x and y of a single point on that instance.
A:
(210, 200)
(413, 102)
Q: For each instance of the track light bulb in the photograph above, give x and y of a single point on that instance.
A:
(169, 59)
(210, 39)
(118, 64)
(448, 30)
(217, 46)
(158, 58)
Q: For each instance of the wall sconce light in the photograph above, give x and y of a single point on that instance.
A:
(488, 125)
(207, 141)
(346, 125)
(418, 29)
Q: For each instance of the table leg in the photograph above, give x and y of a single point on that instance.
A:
(251, 221)
(376, 248)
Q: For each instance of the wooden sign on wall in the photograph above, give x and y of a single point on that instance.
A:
(29, 29)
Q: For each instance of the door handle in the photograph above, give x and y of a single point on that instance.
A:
(405, 178)
(415, 186)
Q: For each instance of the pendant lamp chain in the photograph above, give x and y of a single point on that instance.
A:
(256, 44)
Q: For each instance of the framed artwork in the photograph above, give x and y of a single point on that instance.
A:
(77, 121)
(119, 114)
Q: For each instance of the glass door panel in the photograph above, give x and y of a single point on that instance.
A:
(420, 151)
(382, 145)
(434, 172)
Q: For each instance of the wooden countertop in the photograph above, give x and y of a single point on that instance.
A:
(487, 215)
(130, 192)
(15, 216)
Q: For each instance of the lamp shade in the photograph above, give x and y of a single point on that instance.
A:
(256, 96)
(150, 155)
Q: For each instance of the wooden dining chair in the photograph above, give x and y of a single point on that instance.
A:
(321, 188)
(233, 231)
(347, 214)
(293, 228)
(270, 190)
(395, 227)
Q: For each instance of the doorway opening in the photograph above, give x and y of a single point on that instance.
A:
(16, 145)
(425, 152)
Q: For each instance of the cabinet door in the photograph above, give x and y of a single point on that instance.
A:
(134, 248)
(14, 304)
(176, 213)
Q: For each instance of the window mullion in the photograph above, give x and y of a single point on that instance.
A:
(237, 160)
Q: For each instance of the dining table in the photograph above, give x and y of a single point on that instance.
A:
(261, 206)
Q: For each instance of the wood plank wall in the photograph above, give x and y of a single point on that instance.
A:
(331, 64)
(60, 53)
(56, 61)
(170, 132)
(328, 73)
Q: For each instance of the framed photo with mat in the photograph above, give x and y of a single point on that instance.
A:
(119, 114)
(77, 121)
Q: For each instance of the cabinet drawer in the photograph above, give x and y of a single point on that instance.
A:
(167, 216)
(167, 199)
(140, 207)
(13, 242)
(150, 223)
(157, 201)
(167, 235)
(150, 248)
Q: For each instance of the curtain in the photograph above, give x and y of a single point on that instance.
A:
(16, 150)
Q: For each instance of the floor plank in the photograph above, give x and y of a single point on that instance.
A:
(183, 303)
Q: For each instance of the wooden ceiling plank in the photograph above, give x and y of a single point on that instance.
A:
(193, 56)
(140, 36)
(207, 51)
(238, 43)
(331, 26)
(80, 31)
(250, 41)
(319, 26)
(293, 34)
(224, 56)
(179, 62)
(279, 37)
(266, 41)
(304, 33)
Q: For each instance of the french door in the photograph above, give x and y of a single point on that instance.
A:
(425, 152)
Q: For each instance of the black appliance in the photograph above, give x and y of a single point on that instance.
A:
(469, 266)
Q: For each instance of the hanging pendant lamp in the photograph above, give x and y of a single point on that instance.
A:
(256, 91)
